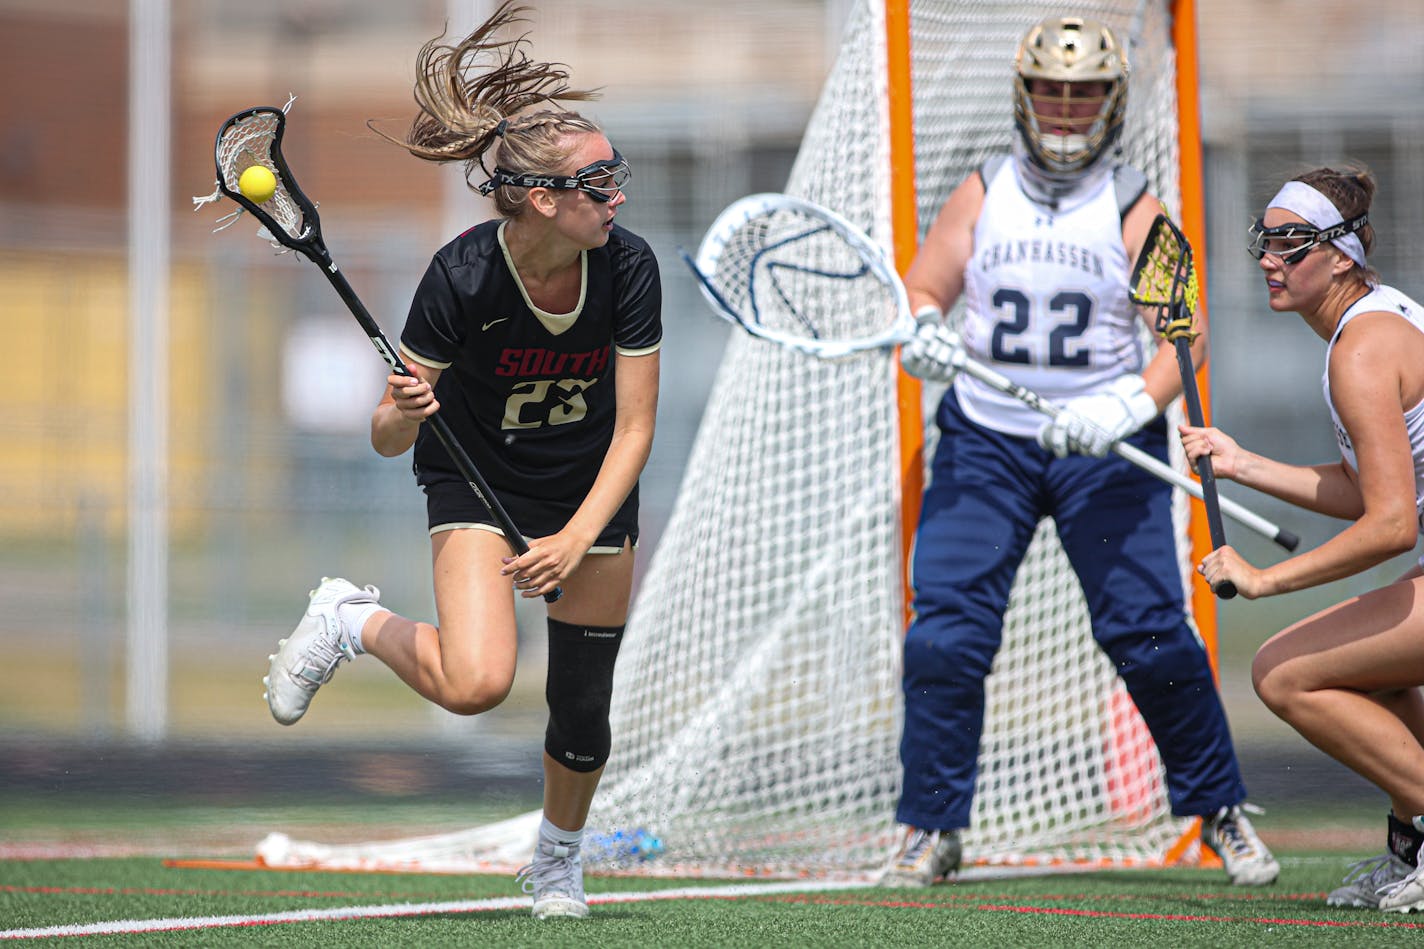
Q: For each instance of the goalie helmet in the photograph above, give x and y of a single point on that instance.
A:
(1066, 126)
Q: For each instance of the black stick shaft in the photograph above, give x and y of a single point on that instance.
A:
(1226, 589)
(462, 460)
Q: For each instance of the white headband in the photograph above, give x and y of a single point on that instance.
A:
(1305, 202)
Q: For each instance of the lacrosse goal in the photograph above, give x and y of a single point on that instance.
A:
(757, 707)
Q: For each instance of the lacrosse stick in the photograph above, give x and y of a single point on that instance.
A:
(794, 273)
(798, 274)
(288, 217)
(1164, 279)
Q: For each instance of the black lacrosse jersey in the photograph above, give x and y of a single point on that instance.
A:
(529, 394)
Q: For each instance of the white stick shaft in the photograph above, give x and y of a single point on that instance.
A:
(1133, 454)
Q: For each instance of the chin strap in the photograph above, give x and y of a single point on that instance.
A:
(1058, 191)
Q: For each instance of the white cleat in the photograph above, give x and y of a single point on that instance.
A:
(1365, 880)
(556, 880)
(307, 659)
(1231, 837)
(1404, 896)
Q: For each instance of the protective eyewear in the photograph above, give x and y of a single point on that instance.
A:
(1292, 242)
(601, 180)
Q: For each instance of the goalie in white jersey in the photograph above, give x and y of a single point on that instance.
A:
(1347, 678)
(1040, 245)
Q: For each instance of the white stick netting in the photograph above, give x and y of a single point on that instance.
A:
(254, 140)
(757, 704)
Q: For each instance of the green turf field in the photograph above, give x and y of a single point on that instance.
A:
(143, 902)
(127, 894)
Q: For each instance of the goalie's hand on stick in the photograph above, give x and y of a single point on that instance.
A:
(1091, 424)
(934, 352)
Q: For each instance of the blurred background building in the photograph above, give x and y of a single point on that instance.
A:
(270, 480)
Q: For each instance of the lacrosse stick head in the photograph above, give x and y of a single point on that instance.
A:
(1164, 278)
(798, 274)
(254, 137)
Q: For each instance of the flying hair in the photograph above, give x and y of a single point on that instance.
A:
(485, 92)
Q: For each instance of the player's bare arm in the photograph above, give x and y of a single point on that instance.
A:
(406, 403)
(937, 275)
(637, 383)
(1301, 485)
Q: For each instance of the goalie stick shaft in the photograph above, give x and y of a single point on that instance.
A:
(1132, 454)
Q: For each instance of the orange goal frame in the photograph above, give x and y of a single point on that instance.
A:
(905, 228)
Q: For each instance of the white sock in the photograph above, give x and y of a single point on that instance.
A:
(557, 835)
(353, 618)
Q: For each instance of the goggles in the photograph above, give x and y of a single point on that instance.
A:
(1291, 242)
(601, 180)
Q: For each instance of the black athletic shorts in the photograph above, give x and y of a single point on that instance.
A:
(453, 504)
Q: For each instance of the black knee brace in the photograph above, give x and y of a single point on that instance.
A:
(579, 689)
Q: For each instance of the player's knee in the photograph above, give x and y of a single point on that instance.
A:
(944, 661)
(476, 692)
(1272, 679)
(579, 691)
(1164, 663)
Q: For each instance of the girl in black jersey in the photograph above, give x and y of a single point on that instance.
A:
(536, 338)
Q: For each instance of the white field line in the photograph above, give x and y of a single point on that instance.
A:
(393, 910)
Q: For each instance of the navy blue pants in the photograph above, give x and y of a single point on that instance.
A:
(987, 493)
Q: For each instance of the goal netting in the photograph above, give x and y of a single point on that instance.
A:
(757, 705)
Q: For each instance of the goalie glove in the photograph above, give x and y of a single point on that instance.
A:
(934, 352)
(1090, 424)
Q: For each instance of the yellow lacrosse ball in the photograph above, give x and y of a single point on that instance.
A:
(257, 184)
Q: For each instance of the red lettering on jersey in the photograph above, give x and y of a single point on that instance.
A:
(529, 365)
(538, 362)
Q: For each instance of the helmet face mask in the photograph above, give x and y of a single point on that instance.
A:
(1070, 92)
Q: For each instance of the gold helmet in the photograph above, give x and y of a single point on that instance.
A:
(1066, 126)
